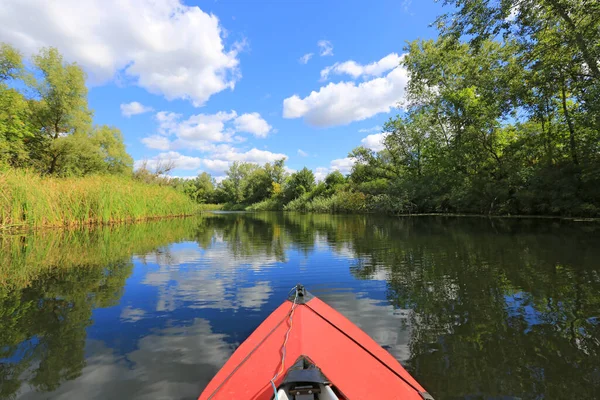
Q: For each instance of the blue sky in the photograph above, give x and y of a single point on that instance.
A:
(213, 82)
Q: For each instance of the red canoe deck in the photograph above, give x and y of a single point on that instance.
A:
(355, 364)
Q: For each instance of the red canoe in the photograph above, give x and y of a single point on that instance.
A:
(306, 350)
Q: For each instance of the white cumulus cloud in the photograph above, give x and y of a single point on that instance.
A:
(179, 161)
(157, 142)
(345, 102)
(211, 136)
(356, 70)
(216, 159)
(373, 129)
(199, 127)
(253, 156)
(164, 46)
(221, 157)
(134, 108)
(325, 48)
(374, 141)
(305, 58)
(252, 123)
(321, 173)
(344, 165)
(215, 165)
(201, 131)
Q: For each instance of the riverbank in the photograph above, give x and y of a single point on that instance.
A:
(361, 205)
(29, 200)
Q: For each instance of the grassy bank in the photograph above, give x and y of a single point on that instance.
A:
(210, 207)
(27, 199)
(342, 202)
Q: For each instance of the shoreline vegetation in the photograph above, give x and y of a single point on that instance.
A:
(29, 200)
(58, 169)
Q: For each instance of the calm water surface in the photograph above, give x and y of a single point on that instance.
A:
(473, 308)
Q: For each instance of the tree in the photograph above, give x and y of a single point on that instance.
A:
(111, 148)
(200, 189)
(101, 151)
(558, 41)
(483, 132)
(334, 179)
(15, 125)
(61, 109)
(276, 171)
(52, 131)
(11, 63)
(258, 185)
(299, 183)
(234, 185)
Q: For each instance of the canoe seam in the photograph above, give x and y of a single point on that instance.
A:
(247, 357)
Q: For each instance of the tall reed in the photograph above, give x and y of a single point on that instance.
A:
(27, 199)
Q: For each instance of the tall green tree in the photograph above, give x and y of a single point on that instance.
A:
(276, 171)
(299, 183)
(200, 189)
(15, 117)
(111, 149)
(334, 179)
(99, 151)
(61, 108)
(233, 186)
(558, 41)
(11, 62)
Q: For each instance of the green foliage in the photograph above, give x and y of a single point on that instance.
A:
(340, 202)
(298, 204)
(210, 207)
(201, 189)
(15, 127)
(489, 129)
(245, 184)
(334, 179)
(270, 204)
(111, 150)
(11, 63)
(60, 111)
(52, 131)
(15, 116)
(233, 187)
(234, 207)
(258, 186)
(299, 183)
(28, 199)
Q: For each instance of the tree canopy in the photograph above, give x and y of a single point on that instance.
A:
(48, 125)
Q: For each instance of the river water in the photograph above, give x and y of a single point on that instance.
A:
(474, 308)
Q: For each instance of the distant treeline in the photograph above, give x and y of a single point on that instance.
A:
(502, 117)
